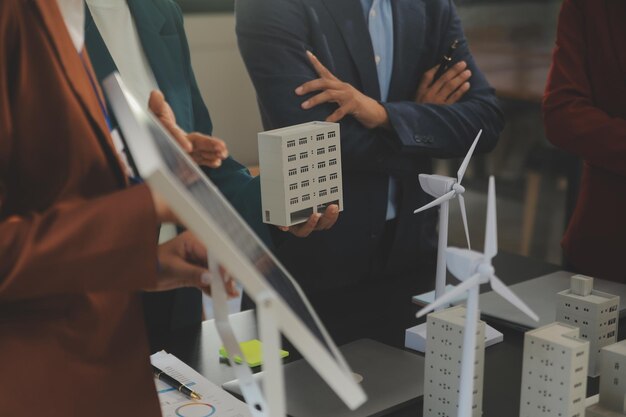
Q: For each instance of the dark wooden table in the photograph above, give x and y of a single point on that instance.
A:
(383, 313)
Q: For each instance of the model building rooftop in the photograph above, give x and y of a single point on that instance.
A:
(304, 128)
(454, 315)
(563, 334)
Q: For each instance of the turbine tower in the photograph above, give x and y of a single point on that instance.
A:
(474, 269)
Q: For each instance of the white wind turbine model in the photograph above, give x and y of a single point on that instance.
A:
(474, 269)
(443, 189)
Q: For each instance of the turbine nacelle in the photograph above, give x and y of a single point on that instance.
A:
(436, 185)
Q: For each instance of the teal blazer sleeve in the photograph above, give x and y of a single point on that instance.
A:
(233, 179)
(162, 34)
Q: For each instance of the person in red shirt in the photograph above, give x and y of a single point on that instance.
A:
(584, 109)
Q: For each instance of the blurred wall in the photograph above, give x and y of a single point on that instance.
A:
(224, 82)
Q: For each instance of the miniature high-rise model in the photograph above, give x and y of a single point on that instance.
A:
(612, 382)
(444, 350)
(595, 313)
(300, 172)
(554, 373)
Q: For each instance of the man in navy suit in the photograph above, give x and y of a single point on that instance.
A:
(370, 65)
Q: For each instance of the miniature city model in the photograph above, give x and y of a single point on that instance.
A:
(444, 350)
(300, 172)
(554, 372)
(612, 382)
(594, 312)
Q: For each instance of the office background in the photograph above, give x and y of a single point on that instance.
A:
(511, 41)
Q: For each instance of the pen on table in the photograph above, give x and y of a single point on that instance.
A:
(172, 382)
(446, 60)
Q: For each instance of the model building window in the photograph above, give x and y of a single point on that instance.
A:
(333, 176)
(322, 179)
(334, 190)
(323, 193)
(293, 186)
(304, 169)
(306, 197)
(302, 141)
(293, 201)
(304, 155)
(321, 151)
(304, 183)
(332, 148)
(332, 162)
(331, 135)
(291, 143)
(293, 172)
(291, 158)
(321, 165)
(319, 137)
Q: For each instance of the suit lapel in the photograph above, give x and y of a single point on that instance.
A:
(98, 51)
(149, 22)
(409, 26)
(348, 15)
(77, 77)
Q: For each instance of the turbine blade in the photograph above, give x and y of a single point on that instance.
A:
(491, 229)
(461, 172)
(448, 196)
(506, 293)
(464, 216)
(451, 295)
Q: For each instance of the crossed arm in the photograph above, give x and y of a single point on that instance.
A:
(274, 36)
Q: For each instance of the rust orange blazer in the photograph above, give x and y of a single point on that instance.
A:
(75, 243)
(585, 114)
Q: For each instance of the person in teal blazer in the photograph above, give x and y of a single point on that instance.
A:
(159, 25)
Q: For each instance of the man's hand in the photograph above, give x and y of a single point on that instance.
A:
(351, 101)
(205, 150)
(447, 89)
(316, 222)
(183, 263)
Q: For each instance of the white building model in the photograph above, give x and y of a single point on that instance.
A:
(612, 383)
(554, 372)
(300, 171)
(444, 350)
(595, 313)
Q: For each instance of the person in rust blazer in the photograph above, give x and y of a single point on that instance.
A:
(76, 244)
(584, 109)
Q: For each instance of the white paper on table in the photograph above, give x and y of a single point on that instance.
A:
(215, 401)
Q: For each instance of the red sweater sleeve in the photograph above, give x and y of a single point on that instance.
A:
(572, 121)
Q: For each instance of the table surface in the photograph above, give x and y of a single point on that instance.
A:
(198, 346)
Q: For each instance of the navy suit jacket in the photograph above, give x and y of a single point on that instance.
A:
(160, 27)
(273, 36)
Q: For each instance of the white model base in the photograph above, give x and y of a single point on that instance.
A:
(415, 337)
